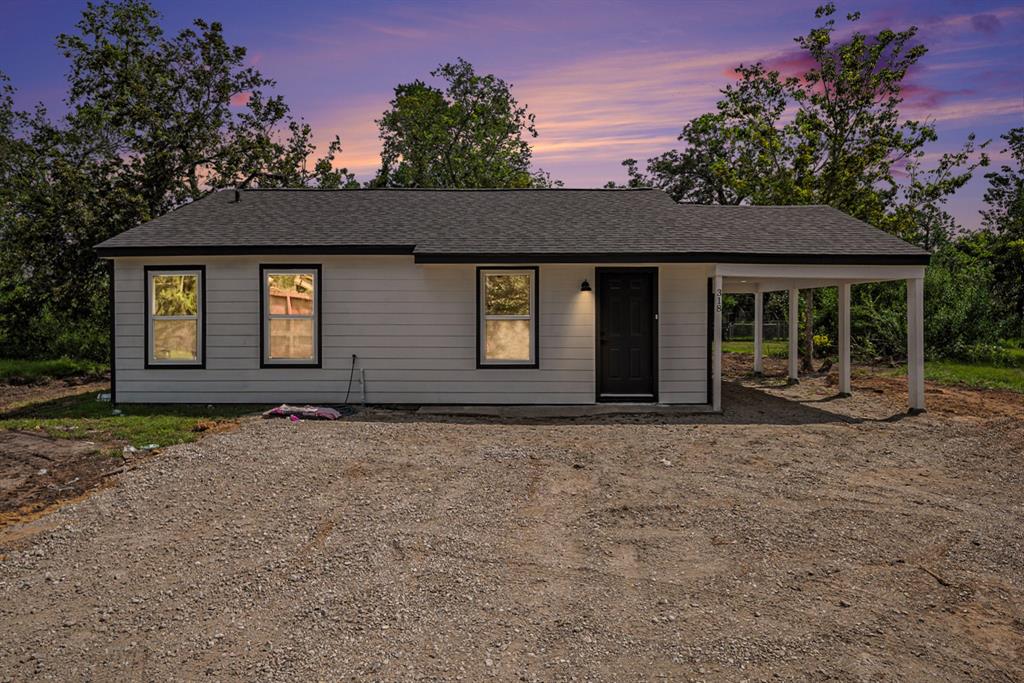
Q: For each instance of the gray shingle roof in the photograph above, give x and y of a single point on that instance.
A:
(539, 225)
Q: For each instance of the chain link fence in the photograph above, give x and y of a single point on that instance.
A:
(744, 330)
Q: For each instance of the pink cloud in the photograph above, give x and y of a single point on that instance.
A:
(627, 103)
(969, 110)
(924, 97)
(790, 63)
(240, 99)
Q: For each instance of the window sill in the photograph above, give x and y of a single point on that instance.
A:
(507, 366)
(175, 366)
(264, 365)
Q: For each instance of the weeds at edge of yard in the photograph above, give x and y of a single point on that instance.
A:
(772, 348)
(81, 416)
(19, 371)
(973, 375)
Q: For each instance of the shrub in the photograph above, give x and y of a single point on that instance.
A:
(961, 316)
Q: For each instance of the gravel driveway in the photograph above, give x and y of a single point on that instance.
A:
(799, 537)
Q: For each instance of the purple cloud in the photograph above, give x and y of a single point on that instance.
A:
(986, 23)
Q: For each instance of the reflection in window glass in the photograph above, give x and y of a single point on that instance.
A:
(174, 317)
(291, 338)
(175, 294)
(507, 340)
(507, 335)
(508, 294)
(175, 339)
(291, 312)
(290, 293)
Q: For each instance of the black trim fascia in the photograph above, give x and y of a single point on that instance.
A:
(264, 365)
(201, 365)
(521, 257)
(113, 336)
(655, 329)
(480, 365)
(676, 257)
(259, 250)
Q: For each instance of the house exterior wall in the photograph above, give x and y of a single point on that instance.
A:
(413, 328)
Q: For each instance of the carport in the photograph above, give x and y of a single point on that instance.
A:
(756, 279)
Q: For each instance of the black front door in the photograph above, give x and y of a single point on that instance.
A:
(626, 334)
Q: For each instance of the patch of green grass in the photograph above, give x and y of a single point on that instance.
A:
(976, 375)
(18, 371)
(83, 417)
(772, 349)
(1014, 349)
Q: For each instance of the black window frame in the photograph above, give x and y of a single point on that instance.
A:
(147, 311)
(534, 317)
(318, 315)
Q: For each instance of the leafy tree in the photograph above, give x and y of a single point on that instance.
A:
(256, 153)
(471, 134)
(165, 106)
(741, 154)
(832, 135)
(1004, 220)
(153, 121)
(920, 216)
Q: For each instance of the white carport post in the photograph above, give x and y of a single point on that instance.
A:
(758, 331)
(844, 339)
(915, 343)
(716, 356)
(794, 333)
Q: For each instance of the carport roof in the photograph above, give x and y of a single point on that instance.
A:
(513, 226)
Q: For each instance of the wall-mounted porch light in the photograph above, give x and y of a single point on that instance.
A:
(585, 286)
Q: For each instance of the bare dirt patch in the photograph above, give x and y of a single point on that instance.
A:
(796, 536)
(949, 400)
(37, 471)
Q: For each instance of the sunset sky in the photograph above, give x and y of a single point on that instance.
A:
(606, 80)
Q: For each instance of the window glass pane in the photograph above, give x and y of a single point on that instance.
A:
(507, 340)
(507, 294)
(175, 295)
(290, 293)
(291, 338)
(175, 339)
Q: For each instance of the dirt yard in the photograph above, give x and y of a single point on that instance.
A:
(37, 471)
(796, 537)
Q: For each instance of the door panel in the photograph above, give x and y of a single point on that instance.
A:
(626, 334)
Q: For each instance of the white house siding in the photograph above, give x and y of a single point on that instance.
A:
(413, 328)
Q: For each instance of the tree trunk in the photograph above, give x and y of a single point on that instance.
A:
(807, 359)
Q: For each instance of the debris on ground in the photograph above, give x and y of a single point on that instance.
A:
(295, 413)
(37, 470)
(210, 426)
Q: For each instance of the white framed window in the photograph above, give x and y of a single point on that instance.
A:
(290, 315)
(175, 316)
(507, 317)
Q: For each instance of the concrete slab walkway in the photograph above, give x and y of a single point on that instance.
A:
(569, 411)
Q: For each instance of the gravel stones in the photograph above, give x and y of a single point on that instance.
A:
(790, 539)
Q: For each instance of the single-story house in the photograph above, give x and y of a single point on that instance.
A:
(554, 296)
